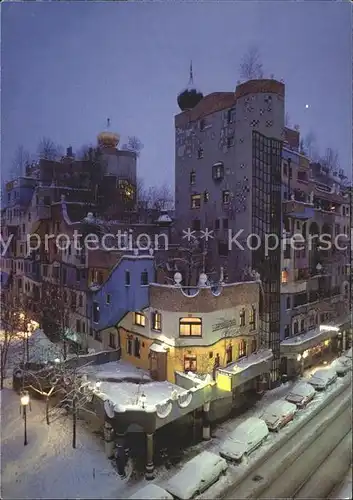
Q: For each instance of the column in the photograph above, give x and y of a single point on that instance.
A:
(149, 473)
(120, 455)
(206, 427)
(109, 440)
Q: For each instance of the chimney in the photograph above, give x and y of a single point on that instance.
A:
(69, 152)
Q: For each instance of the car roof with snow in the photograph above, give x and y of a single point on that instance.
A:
(342, 359)
(280, 406)
(302, 389)
(151, 492)
(323, 373)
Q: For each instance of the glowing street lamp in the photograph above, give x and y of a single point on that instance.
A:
(24, 403)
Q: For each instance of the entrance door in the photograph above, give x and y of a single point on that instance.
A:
(158, 365)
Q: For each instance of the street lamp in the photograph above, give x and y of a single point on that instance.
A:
(143, 400)
(24, 404)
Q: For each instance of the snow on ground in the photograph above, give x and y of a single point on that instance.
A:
(48, 467)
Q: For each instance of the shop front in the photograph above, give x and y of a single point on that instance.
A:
(314, 347)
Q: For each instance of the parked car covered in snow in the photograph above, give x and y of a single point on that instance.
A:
(278, 414)
(152, 492)
(248, 436)
(301, 394)
(197, 475)
(321, 379)
(342, 365)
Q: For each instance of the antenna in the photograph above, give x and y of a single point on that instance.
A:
(108, 122)
(191, 77)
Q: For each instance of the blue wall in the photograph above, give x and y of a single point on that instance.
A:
(123, 298)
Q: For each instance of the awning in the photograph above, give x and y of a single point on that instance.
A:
(155, 347)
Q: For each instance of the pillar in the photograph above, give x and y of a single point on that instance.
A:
(149, 474)
(109, 444)
(120, 454)
(206, 427)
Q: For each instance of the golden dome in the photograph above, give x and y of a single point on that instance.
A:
(108, 139)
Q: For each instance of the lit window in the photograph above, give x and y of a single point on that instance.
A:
(252, 320)
(190, 364)
(242, 349)
(195, 201)
(157, 321)
(284, 277)
(140, 319)
(190, 327)
(225, 197)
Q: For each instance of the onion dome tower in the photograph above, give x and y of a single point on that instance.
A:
(108, 139)
(190, 97)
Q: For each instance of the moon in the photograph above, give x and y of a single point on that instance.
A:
(306, 106)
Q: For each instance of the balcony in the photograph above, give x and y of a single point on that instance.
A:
(302, 274)
(298, 210)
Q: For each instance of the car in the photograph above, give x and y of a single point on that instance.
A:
(321, 379)
(278, 414)
(196, 476)
(342, 365)
(151, 492)
(301, 394)
(248, 436)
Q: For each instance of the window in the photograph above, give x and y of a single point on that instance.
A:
(288, 303)
(127, 278)
(252, 320)
(230, 141)
(144, 278)
(83, 327)
(229, 353)
(286, 331)
(112, 340)
(206, 196)
(80, 301)
(253, 345)
(200, 153)
(285, 169)
(231, 115)
(295, 330)
(129, 346)
(96, 313)
(29, 216)
(140, 319)
(218, 171)
(196, 224)
(190, 364)
(73, 299)
(195, 201)
(136, 347)
(190, 327)
(223, 249)
(202, 124)
(78, 326)
(225, 197)
(216, 224)
(242, 317)
(284, 277)
(302, 325)
(192, 177)
(98, 335)
(100, 277)
(108, 298)
(157, 321)
(65, 297)
(242, 349)
(225, 223)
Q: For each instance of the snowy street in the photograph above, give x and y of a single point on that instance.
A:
(48, 467)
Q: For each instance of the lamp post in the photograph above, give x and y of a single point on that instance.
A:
(24, 404)
(143, 400)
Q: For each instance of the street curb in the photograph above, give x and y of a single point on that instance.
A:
(278, 444)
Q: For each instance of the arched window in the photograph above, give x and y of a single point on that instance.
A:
(295, 328)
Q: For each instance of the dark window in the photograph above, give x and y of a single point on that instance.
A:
(286, 331)
(83, 327)
(80, 301)
(295, 329)
(231, 115)
(78, 326)
(98, 336)
(206, 196)
(242, 349)
(190, 364)
(136, 347)
(108, 298)
(216, 224)
(144, 278)
(200, 153)
(218, 171)
(196, 224)
(202, 124)
(192, 177)
(230, 141)
(288, 303)
(242, 317)
(302, 325)
(127, 277)
(223, 249)
(225, 223)
(96, 313)
(129, 346)
(253, 345)
(225, 197)
(112, 340)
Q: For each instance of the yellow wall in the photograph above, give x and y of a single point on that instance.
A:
(175, 358)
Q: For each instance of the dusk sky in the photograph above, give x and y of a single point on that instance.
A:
(66, 67)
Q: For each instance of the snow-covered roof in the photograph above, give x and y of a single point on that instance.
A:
(246, 362)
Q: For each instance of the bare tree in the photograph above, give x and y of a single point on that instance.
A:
(11, 343)
(156, 197)
(330, 160)
(48, 150)
(21, 159)
(308, 146)
(251, 65)
(133, 144)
